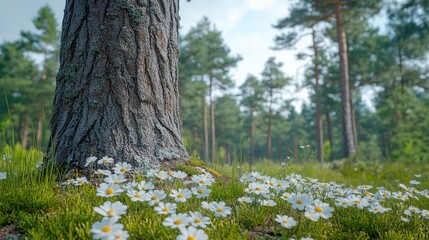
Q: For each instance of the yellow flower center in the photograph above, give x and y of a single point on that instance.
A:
(111, 212)
(318, 209)
(356, 201)
(177, 222)
(258, 189)
(201, 191)
(271, 184)
(400, 196)
(191, 238)
(197, 220)
(345, 202)
(106, 229)
(123, 169)
(219, 210)
(376, 208)
(116, 181)
(137, 195)
(80, 182)
(154, 197)
(413, 209)
(279, 185)
(165, 209)
(180, 195)
(299, 201)
(427, 214)
(286, 196)
(285, 221)
(118, 237)
(384, 194)
(410, 195)
(105, 160)
(202, 182)
(109, 191)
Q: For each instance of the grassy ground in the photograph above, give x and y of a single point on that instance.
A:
(34, 205)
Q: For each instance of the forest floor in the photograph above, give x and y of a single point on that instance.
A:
(378, 200)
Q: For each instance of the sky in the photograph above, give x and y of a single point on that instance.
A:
(246, 27)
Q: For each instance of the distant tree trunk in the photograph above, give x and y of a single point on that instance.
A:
(319, 124)
(26, 130)
(212, 123)
(331, 142)
(228, 155)
(117, 87)
(40, 124)
(350, 145)
(270, 113)
(206, 135)
(251, 144)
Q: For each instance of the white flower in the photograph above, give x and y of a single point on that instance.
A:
(90, 160)
(404, 219)
(108, 190)
(399, 196)
(201, 191)
(425, 213)
(80, 181)
(286, 196)
(285, 221)
(129, 185)
(220, 209)
(106, 229)
(318, 210)
(65, 183)
(115, 178)
(377, 208)
(109, 209)
(103, 172)
(144, 186)
(155, 196)
(202, 180)
(268, 203)
(300, 201)
(198, 220)
(414, 182)
(358, 201)
(105, 160)
(343, 202)
(245, 200)
(258, 188)
(136, 196)
(3, 175)
(412, 210)
(191, 233)
(162, 175)
(39, 164)
(165, 208)
(205, 205)
(121, 234)
(177, 220)
(417, 175)
(121, 168)
(178, 174)
(180, 195)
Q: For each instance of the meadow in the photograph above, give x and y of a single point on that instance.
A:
(286, 200)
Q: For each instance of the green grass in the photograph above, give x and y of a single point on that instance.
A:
(40, 208)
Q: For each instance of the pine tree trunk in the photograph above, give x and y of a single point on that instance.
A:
(117, 86)
(251, 144)
(331, 141)
(212, 123)
(270, 113)
(40, 124)
(350, 145)
(319, 124)
(206, 135)
(26, 130)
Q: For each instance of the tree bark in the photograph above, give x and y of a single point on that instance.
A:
(331, 141)
(251, 144)
(117, 86)
(212, 123)
(350, 145)
(319, 124)
(270, 113)
(206, 135)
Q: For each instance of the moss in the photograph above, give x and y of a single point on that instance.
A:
(132, 11)
(186, 169)
(196, 162)
(70, 95)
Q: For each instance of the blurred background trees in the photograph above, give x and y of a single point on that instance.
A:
(387, 71)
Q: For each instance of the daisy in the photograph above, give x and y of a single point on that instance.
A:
(202, 180)
(198, 220)
(412, 210)
(129, 185)
(105, 160)
(106, 229)
(285, 221)
(300, 201)
(220, 209)
(191, 233)
(136, 196)
(414, 182)
(425, 213)
(121, 234)
(405, 219)
(162, 175)
(108, 190)
(80, 181)
(180, 195)
(103, 172)
(177, 220)
(178, 174)
(121, 168)
(144, 186)
(318, 210)
(115, 178)
(153, 197)
(109, 209)
(399, 196)
(90, 160)
(286, 196)
(268, 203)
(201, 191)
(358, 201)
(377, 208)
(259, 188)
(166, 208)
(244, 200)
(205, 205)
(343, 202)
(3, 175)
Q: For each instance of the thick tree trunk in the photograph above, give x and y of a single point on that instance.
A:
(117, 86)
(319, 124)
(345, 89)
(331, 141)
(26, 130)
(206, 135)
